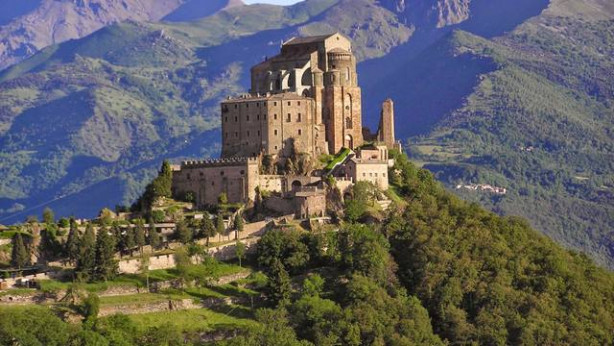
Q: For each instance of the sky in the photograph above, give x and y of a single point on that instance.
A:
(274, 2)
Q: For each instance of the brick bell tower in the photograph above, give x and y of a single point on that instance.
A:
(342, 112)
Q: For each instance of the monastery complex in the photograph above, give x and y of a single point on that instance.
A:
(303, 103)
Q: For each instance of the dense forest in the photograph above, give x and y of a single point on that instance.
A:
(436, 270)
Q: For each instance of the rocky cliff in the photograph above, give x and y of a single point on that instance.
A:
(437, 13)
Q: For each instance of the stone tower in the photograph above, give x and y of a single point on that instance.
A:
(342, 102)
(385, 132)
(305, 99)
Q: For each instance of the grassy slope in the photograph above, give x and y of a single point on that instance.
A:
(552, 90)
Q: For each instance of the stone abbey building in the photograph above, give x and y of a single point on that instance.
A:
(305, 100)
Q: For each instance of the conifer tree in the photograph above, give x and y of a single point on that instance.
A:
(48, 216)
(183, 233)
(153, 238)
(87, 252)
(127, 240)
(162, 184)
(207, 228)
(72, 243)
(20, 256)
(220, 228)
(139, 235)
(279, 283)
(239, 223)
(106, 266)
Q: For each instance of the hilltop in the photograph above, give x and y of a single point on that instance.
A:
(433, 270)
(513, 94)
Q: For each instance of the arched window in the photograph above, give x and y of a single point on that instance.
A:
(306, 79)
(348, 123)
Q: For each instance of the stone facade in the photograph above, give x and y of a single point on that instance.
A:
(370, 164)
(306, 98)
(207, 180)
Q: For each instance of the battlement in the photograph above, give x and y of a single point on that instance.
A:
(225, 162)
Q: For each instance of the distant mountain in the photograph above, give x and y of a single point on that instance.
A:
(531, 111)
(516, 94)
(27, 26)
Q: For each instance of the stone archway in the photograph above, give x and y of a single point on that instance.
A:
(348, 142)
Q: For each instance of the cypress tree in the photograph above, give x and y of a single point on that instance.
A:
(87, 252)
(239, 223)
(207, 228)
(72, 243)
(128, 241)
(48, 216)
(279, 288)
(139, 234)
(183, 233)
(20, 256)
(106, 266)
(153, 238)
(220, 228)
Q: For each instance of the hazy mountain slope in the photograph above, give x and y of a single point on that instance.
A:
(131, 94)
(28, 27)
(539, 124)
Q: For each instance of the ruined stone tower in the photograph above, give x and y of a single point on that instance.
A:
(385, 133)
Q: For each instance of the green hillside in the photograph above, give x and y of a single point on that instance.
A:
(436, 271)
(538, 123)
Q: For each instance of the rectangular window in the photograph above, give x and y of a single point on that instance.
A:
(275, 103)
(236, 134)
(236, 119)
(298, 118)
(300, 132)
(226, 119)
(299, 103)
(289, 103)
(258, 133)
(289, 118)
(247, 118)
(275, 116)
(247, 133)
(258, 117)
(275, 132)
(247, 105)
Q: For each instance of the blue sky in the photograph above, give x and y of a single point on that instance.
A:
(275, 2)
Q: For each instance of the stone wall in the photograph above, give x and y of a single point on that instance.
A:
(206, 180)
(222, 253)
(23, 281)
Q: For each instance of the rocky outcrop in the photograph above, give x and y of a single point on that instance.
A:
(433, 13)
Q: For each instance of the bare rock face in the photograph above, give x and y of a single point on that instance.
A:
(55, 21)
(434, 13)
